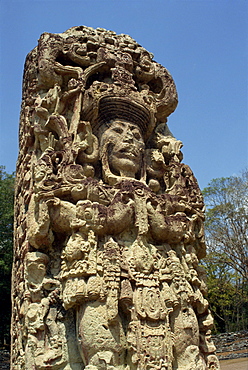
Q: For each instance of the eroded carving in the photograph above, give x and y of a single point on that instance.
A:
(109, 222)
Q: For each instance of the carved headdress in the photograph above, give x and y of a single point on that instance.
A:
(118, 77)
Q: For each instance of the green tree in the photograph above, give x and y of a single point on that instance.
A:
(6, 246)
(227, 295)
(227, 220)
(227, 244)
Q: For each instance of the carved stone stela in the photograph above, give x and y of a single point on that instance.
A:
(109, 222)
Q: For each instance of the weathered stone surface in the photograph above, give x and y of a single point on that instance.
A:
(109, 222)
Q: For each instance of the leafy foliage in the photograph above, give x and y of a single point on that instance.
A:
(227, 295)
(6, 243)
(227, 243)
(227, 220)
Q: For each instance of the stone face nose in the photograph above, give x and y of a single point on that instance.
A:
(128, 136)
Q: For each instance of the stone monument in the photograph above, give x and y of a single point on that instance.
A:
(109, 222)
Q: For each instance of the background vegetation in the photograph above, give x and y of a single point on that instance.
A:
(226, 263)
(227, 245)
(6, 245)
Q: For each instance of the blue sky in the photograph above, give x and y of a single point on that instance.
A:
(203, 43)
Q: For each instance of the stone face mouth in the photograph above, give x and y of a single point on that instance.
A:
(128, 150)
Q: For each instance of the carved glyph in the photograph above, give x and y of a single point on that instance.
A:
(109, 222)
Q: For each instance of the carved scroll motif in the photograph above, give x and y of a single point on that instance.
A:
(109, 222)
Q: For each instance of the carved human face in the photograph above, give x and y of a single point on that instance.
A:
(125, 147)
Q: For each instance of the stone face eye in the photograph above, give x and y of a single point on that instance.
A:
(136, 134)
(119, 130)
